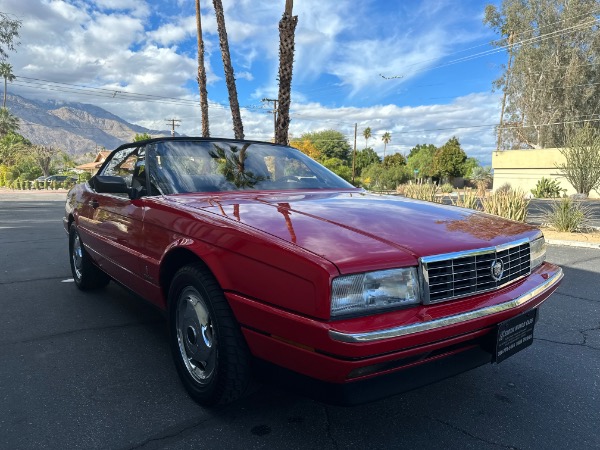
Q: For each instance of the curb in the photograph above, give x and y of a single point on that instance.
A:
(572, 243)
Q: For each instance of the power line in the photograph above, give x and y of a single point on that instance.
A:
(36, 83)
(592, 12)
(540, 38)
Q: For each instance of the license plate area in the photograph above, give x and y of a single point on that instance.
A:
(514, 335)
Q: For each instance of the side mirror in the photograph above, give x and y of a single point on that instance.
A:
(109, 185)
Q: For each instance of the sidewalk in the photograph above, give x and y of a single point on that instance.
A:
(33, 195)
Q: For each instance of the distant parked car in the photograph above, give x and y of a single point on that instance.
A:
(255, 250)
(61, 178)
(57, 178)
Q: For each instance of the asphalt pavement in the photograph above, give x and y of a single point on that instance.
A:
(93, 370)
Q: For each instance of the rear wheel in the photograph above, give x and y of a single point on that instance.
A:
(209, 350)
(86, 275)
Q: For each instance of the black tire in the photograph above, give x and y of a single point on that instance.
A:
(210, 353)
(86, 274)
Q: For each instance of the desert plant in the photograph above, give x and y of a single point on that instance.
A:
(568, 215)
(510, 204)
(446, 188)
(506, 187)
(467, 200)
(482, 177)
(582, 158)
(421, 191)
(547, 188)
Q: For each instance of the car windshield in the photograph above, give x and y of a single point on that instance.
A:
(208, 166)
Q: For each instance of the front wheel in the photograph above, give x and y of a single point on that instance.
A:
(209, 350)
(85, 274)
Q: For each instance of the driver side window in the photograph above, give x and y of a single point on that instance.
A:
(129, 164)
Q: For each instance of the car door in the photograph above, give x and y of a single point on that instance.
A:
(116, 225)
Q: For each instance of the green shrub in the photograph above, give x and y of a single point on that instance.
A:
(467, 200)
(446, 188)
(510, 204)
(568, 215)
(547, 188)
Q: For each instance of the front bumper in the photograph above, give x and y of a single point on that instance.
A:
(405, 330)
(355, 350)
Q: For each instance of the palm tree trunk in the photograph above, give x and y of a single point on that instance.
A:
(287, 30)
(238, 128)
(202, 74)
(4, 103)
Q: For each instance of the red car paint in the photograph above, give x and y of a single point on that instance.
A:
(275, 255)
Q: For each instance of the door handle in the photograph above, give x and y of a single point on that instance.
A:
(94, 203)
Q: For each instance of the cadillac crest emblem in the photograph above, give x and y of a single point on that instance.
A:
(497, 269)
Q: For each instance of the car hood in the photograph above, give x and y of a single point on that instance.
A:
(359, 231)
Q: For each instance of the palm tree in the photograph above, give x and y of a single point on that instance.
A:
(202, 74)
(367, 135)
(8, 122)
(287, 30)
(386, 138)
(238, 128)
(7, 74)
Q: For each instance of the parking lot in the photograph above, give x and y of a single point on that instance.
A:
(93, 370)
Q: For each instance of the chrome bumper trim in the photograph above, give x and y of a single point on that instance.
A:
(447, 321)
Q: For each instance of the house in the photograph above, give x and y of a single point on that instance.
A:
(93, 167)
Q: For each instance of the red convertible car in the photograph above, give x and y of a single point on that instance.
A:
(258, 254)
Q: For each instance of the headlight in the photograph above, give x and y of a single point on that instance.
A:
(367, 293)
(537, 252)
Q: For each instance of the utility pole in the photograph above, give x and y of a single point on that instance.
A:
(173, 123)
(274, 101)
(354, 154)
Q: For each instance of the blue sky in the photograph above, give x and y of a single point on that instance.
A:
(411, 68)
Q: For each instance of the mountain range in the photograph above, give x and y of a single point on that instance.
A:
(76, 128)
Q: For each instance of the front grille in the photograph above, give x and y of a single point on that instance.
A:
(466, 273)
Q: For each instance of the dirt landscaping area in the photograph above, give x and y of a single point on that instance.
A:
(589, 238)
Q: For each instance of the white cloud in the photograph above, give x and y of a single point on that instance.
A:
(244, 76)
(135, 7)
(409, 126)
(175, 32)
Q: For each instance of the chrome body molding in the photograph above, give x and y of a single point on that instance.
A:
(447, 321)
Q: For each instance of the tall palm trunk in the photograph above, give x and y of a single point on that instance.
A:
(4, 102)
(202, 74)
(287, 29)
(238, 128)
